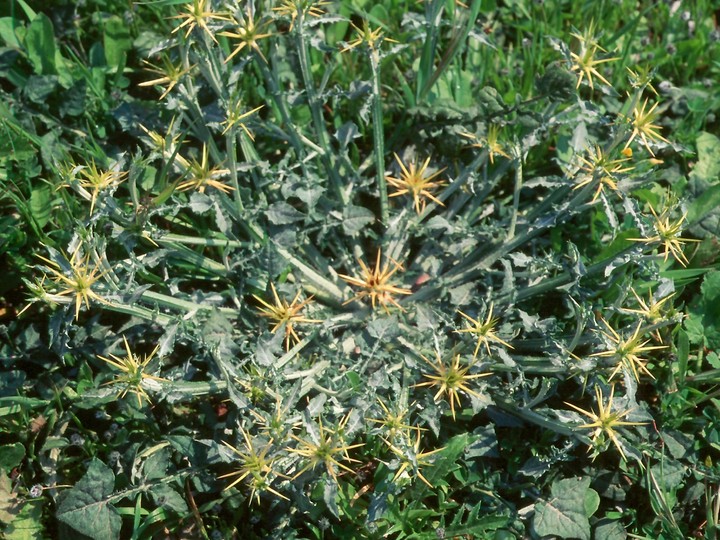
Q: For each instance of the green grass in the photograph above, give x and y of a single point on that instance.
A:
(222, 318)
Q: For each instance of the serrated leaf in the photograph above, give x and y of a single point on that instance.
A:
(330, 492)
(86, 506)
(564, 515)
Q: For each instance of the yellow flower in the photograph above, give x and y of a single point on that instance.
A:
(414, 181)
(643, 126)
(198, 14)
(299, 8)
(325, 447)
(78, 278)
(201, 175)
(668, 234)
(284, 314)
(248, 32)
(133, 372)
(372, 38)
(256, 465)
(375, 283)
(626, 352)
(485, 331)
(605, 421)
(451, 379)
(491, 141)
(169, 74)
(599, 166)
(411, 458)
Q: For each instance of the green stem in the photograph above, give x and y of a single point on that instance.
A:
(516, 196)
(316, 111)
(379, 138)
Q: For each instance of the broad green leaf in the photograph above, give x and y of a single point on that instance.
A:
(40, 204)
(565, 514)
(609, 529)
(708, 164)
(9, 504)
(703, 321)
(167, 497)
(27, 525)
(7, 32)
(117, 40)
(40, 45)
(86, 506)
(11, 455)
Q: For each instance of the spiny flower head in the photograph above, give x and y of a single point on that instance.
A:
(415, 182)
(165, 145)
(641, 78)
(78, 278)
(234, 116)
(300, 9)
(248, 33)
(650, 310)
(451, 379)
(326, 447)
(170, 74)
(201, 175)
(374, 283)
(601, 167)
(412, 458)
(395, 422)
(485, 331)
(283, 314)
(94, 180)
(198, 14)
(667, 234)
(627, 351)
(490, 141)
(40, 293)
(132, 374)
(643, 126)
(372, 38)
(605, 421)
(256, 465)
(585, 61)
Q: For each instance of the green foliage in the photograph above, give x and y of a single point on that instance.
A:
(359, 269)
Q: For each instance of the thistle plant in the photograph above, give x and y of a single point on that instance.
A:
(261, 161)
